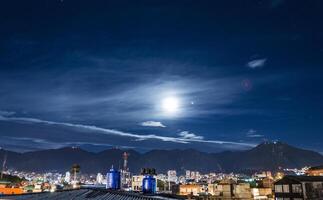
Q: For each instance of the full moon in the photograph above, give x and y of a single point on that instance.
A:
(170, 105)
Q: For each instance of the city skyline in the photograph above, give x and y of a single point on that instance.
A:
(207, 75)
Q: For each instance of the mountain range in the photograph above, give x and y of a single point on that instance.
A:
(266, 156)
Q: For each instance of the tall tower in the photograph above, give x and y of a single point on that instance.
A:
(3, 165)
(126, 178)
(75, 169)
(125, 161)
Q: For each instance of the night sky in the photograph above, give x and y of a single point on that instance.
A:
(160, 74)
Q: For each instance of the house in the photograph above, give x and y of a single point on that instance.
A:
(136, 183)
(229, 189)
(190, 189)
(299, 188)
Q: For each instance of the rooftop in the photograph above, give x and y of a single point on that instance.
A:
(300, 179)
(88, 194)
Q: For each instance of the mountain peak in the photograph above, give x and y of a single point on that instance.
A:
(272, 143)
(275, 142)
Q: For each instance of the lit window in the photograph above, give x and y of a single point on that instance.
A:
(286, 188)
(297, 188)
(279, 188)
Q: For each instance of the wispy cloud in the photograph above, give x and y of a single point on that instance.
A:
(253, 134)
(6, 113)
(45, 144)
(137, 137)
(122, 101)
(189, 135)
(258, 63)
(26, 143)
(152, 124)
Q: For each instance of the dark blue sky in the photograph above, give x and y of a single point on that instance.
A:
(96, 74)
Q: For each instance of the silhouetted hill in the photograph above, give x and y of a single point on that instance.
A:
(266, 156)
(11, 179)
(269, 156)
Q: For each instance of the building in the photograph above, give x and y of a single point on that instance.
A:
(315, 171)
(190, 189)
(188, 174)
(67, 177)
(229, 189)
(195, 175)
(299, 188)
(125, 173)
(262, 193)
(6, 189)
(38, 187)
(136, 183)
(267, 183)
(10, 191)
(264, 174)
(126, 179)
(242, 191)
(172, 176)
(182, 179)
(99, 178)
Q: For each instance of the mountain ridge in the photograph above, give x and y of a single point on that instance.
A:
(266, 156)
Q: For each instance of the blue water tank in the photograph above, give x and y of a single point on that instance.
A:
(149, 185)
(113, 179)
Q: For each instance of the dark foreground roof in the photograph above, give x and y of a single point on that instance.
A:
(86, 194)
(297, 179)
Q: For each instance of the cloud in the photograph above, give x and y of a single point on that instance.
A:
(153, 124)
(185, 138)
(188, 135)
(95, 129)
(122, 101)
(253, 134)
(40, 143)
(58, 144)
(258, 63)
(6, 113)
(25, 143)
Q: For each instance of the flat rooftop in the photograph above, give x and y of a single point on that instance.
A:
(78, 194)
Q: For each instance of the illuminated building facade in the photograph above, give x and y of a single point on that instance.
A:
(136, 183)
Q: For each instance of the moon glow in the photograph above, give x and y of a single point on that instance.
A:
(170, 105)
